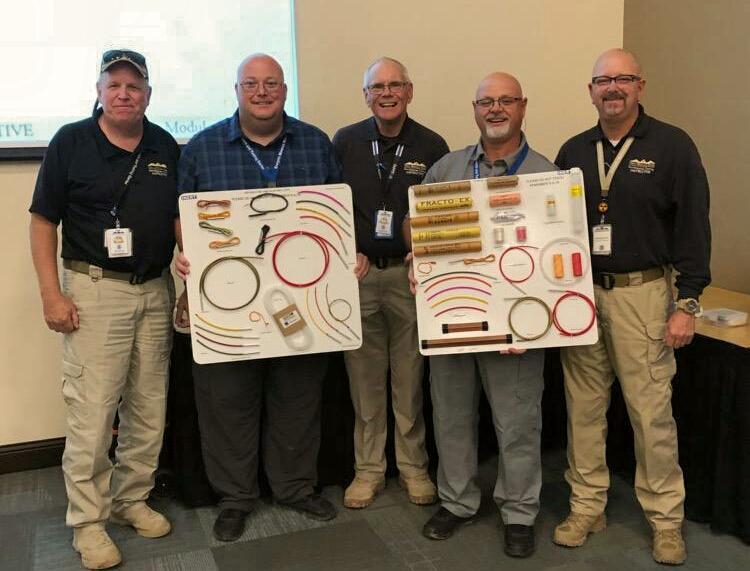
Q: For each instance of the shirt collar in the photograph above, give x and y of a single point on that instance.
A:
(109, 149)
(234, 131)
(404, 137)
(638, 130)
(478, 153)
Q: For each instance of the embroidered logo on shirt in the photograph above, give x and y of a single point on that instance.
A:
(415, 168)
(641, 166)
(157, 169)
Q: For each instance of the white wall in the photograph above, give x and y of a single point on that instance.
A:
(549, 45)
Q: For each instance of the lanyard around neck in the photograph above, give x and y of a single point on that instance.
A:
(379, 165)
(269, 174)
(118, 198)
(605, 180)
(513, 168)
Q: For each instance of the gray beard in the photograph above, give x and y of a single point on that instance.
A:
(499, 132)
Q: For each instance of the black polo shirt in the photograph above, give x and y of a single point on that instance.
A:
(353, 144)
(80, 177)
(658, 201)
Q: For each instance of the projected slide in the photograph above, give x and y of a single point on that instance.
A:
(50, 53)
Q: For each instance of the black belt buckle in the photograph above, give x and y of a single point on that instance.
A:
(381, 263)
(607, 280)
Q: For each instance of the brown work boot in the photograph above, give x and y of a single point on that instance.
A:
(669, 547)
(419, 488)
(575, 529)
(361, 492)
(145, 521)
(97, 549)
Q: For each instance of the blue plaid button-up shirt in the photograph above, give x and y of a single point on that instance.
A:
(216, 158)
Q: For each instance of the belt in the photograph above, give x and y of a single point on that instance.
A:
(382, 262)
(98, 273)
(608, 280)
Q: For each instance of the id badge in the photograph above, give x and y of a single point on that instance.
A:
(384, 225)
(119, 242)
(601, 240)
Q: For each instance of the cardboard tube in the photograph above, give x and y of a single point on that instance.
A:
(444, 204)
(449, 248)
(442, 188)
(451, 234)
(438, 219)
(502, 181)
(505, 199)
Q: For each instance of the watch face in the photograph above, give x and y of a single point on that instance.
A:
(692, 305)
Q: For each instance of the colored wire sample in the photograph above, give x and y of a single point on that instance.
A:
(330, 220)
(215, 229)
(464, 288)
(505, 339)
(318, 203)
(556, 319)
(465, 327)
(217, 244)
(342, 320)
(461, 307)
(315, 321)
(209, 203)
(328, 196)
(207, 270)
(343, 244)
(451, 298)
(221, 327)
(425, 268)
(503, 273)
(320, 241)
(453, 278)
(323, 315)
(202, 344)
(223, 344)
(514, 307)
(462, 272)
(214, 215)
(224, 334)
(471, 261)
(263, 196)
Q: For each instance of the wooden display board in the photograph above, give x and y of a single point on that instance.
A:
(502, 263)
(271, 272)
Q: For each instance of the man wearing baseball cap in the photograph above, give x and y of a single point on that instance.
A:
(110, 180)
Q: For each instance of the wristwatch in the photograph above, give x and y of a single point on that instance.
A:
(689, 305)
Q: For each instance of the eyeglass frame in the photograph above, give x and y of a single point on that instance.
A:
(625, 80)
(275, 86)
(393, 87)
(505, 102)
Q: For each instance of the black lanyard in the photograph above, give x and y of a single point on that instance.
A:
(118, 195)
(380, 166)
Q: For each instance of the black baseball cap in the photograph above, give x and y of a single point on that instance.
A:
(111, 57)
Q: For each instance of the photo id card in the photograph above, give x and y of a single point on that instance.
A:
(601, 240)
(119, 242)
(384, 225)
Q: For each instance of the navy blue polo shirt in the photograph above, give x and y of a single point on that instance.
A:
(79, 180)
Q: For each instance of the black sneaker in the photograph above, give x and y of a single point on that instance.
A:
(443, 524)
(314, 506)
(230, 524)
(519, 540)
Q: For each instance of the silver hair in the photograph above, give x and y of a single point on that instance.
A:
(368, 71)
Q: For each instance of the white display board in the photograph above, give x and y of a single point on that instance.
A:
(502, 263)
(271, 272)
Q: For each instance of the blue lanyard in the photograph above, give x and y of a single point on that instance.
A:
(379, 165)
(270, 174)
(512, 169)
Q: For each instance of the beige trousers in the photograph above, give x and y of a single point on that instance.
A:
(631, 346)
(117, 361)
(389, 340)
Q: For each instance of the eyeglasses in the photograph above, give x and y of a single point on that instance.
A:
(394, 87)
(488, 102)
(270, 85)
(621, 80)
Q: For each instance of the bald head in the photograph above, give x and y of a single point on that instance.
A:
(501, 81)
(616, 58)
(254, 60)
